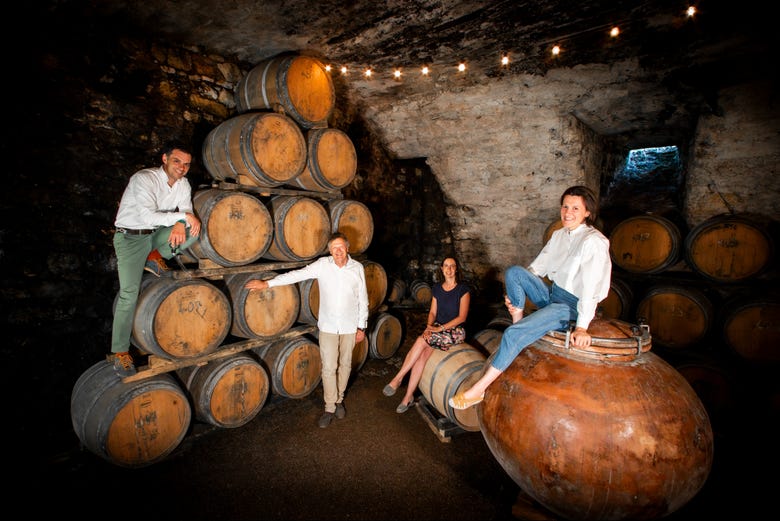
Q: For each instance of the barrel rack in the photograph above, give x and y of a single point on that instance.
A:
(208, 269)
(158, 365)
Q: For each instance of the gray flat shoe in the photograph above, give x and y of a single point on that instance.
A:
(403, 407)
(388, 390)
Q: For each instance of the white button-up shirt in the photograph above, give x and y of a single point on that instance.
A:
(343, 293)
(579, 262)
(148, 202)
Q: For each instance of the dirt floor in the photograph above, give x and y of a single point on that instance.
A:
(374, 464)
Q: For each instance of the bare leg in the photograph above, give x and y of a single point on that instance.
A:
(416, 374)
(476, 392)
(414, 353)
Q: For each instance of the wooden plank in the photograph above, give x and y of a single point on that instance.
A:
(159, 365)
(266, 191)
(211, 273)
(441, 426)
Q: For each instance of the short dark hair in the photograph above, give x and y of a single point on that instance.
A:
(590, 198)
(174, 144)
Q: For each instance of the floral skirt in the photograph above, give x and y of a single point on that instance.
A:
(449, 337)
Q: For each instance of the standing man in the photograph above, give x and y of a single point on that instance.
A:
(154, 220)
(343, 314)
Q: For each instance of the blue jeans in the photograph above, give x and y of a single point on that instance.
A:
(556, 308)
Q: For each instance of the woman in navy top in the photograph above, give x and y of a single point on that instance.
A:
(449, 310)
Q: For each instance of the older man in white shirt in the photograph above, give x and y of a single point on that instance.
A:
(342, 316)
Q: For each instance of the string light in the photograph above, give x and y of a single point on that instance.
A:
(556, 50)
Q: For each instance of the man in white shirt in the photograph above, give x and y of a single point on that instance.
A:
(342, 317)
(155, 220)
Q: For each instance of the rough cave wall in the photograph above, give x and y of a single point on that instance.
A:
(736, 153)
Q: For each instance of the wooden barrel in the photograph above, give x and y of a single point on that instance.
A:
(261, 313)
(679, 317)
(617, 303)
(180, 318)
(420, 292)
(645, 244)
(226, 392)
(130, 424)
(598, 432)
(751, 327)
(385, 333)
(557, 224)
(729, 248)
(397, 291)
(359, 355)
(294, 365)
(353, 219)
(448, 372)
(715, 387)
(331, 161)
(502, 320)
(301, 228)
(376, 284)
(297, 85)
(260, 149)
(236, 227)
(310, 301)
(487, 340)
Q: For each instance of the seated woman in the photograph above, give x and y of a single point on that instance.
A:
(449, 310)
(576, 260)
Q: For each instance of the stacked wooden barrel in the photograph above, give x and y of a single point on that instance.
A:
(278, 171)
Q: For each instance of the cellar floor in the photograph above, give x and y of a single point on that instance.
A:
(374, 464)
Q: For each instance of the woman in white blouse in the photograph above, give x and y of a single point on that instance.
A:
(576, 260)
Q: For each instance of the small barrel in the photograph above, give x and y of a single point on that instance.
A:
(557, 224)
(679, 317)
(260, 149)
(487, 340)
(301, 228)
(294, 365)
(236, 227)
(227, 392)
(376, 284)
(617, 303)
(331, 161)
(397, 291)
(645, 244)
(130, 424)
(261, 313)
(751, 327)
(420, 292)
(448, 372)
(353, 219)
(385, 334)
(294, 84)
(180, 318)
(309, 290)
(359, 355)
(729, 248)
